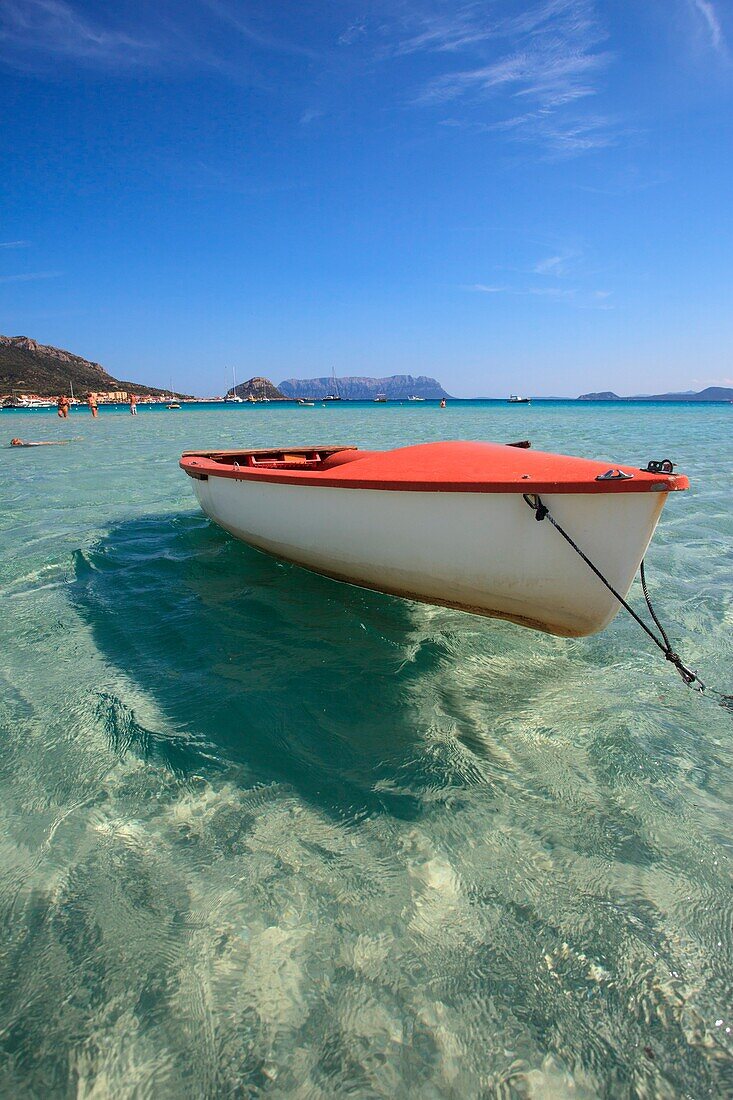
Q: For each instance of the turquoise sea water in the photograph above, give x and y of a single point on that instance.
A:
(264, 834)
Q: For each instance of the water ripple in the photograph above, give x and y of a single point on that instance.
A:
(263, 834)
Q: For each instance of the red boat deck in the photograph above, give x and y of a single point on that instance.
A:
(455, 467)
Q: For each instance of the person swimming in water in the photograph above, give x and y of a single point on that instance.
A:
(41, 443)
(63, 406)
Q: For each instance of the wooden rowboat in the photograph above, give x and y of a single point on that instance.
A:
(445, 523)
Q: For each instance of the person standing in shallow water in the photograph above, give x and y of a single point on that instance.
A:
(63, 406)
(92, 403)
(132, 398)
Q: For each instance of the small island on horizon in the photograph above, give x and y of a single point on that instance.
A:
(711, 393)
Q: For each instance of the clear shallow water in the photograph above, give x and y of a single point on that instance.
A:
(265, 834)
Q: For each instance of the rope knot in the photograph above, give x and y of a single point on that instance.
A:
(687, 675)
(535, 503)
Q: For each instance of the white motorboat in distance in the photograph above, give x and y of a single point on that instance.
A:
(515, 399)
(23, 401)
(445, 523)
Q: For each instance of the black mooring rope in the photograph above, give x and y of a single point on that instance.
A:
(690, 678)
(652, 612)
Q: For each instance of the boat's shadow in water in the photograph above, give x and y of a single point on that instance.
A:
(264, 667)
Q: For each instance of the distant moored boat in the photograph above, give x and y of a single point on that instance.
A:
(233, 397)
(334, 395)
(23, 401)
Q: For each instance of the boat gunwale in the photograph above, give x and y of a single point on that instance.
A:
(205, 464)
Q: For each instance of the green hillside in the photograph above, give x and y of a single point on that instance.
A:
(29, 367)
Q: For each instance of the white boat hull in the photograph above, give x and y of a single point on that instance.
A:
(478, 552)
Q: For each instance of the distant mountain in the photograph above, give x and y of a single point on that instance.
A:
(712, 393)
(29, 367)
(398, 387)
(259, 388)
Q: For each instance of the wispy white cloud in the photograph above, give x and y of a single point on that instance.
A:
(31, 276)
(573, 138)
(568, 295)
(551, 75)
(575, 296)
(311, 114)
(550, 57)
(707, 11)
(14, 244)
(555, 265)
(33, 28)
(352, 33)
(446, 33)
(556, 292)
(34, 33)
(565, 136)
(232, 16)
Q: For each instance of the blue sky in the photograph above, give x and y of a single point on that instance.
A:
(511, 195)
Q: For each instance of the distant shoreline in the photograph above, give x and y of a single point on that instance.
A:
(205, 402)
